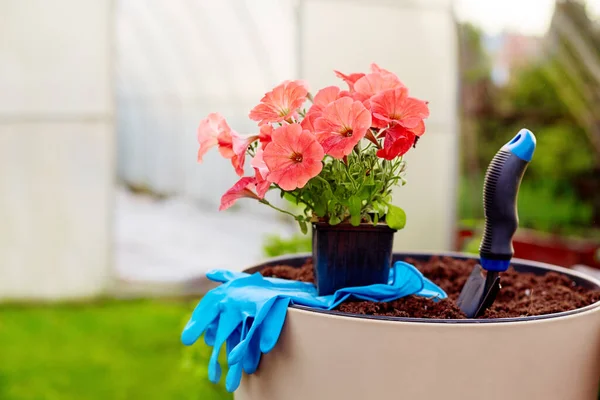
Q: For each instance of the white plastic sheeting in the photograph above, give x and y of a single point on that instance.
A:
(56, 148)
(179, 60)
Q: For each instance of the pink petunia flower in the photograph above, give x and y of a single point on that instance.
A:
(226, 140)
(265, 135)
(349, 79)
(261, 171)
(281, 103)
(398, 140)
(322, 99)
(243, 188)
(341, 126)
(208, 131)
(308, 122)
(376, 82)
(394, 105)
(293, 157)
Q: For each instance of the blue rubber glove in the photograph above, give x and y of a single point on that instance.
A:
(247, 312)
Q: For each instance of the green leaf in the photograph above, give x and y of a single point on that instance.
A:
(290, 198)
(303, 226)
(320, 201)
(366, 191)
(396, 217)
(334, 220)
(354, 206)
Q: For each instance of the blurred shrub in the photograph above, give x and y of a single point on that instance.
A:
(543, 204)
(547, 207)
(276, 245)
(555, 195)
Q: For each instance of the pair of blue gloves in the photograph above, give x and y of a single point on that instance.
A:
(247, 312)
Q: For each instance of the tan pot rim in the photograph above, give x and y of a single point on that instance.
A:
(519, 264)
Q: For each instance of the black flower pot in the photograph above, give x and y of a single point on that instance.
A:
(346, 256)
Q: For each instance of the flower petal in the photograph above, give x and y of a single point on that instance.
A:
(341, 126)
(398, 140)
(243, 188)
(394, 105)
(293, 157)
(207, 133)
(349, 79)
(281, 103)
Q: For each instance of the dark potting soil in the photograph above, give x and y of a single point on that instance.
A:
(521, 294)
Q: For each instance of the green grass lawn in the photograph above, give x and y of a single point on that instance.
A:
(104, 350)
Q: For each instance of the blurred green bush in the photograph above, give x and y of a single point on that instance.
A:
(276, 245)
(560, 192)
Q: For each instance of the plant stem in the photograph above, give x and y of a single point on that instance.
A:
(277, 208)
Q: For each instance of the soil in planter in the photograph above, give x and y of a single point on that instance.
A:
(521, 294)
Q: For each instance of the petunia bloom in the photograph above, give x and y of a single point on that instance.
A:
(281, 103)
(208, 131)
(231, 146)
(293, 157)
(265, 135)
(243, 188)
(376, 82)
(395, 105)
(398, 140)
(349, 79)
(341, 126)
(322, 99)
(261, 171)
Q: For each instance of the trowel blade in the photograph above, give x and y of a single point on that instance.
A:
(471, 295)
(479, 292)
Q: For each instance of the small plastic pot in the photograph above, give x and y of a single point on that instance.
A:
(327, 355)
(347, 256)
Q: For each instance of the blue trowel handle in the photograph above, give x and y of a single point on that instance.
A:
(501, 186)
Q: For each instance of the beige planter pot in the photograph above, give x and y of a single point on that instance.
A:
(330, 357)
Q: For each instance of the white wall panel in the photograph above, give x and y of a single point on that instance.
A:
(416, 40)
(56, 148)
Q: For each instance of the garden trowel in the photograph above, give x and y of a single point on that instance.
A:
(500, 189)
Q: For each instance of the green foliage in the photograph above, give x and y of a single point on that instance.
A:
(396, 217)
(355, 190)
(546, 207)
(542, 205)
(276, 245)
(562, 153)
(105, 350)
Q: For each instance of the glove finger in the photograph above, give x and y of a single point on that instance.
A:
(227, 325)
(252, 357)
(204, 314)
(273, 324)
(233, 340)
(234, 377)
(237, 354)
(211, 333)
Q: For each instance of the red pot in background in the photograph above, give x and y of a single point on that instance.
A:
(559, 250)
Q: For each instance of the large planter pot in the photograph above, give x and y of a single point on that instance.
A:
(348, 256)
(327, 355)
